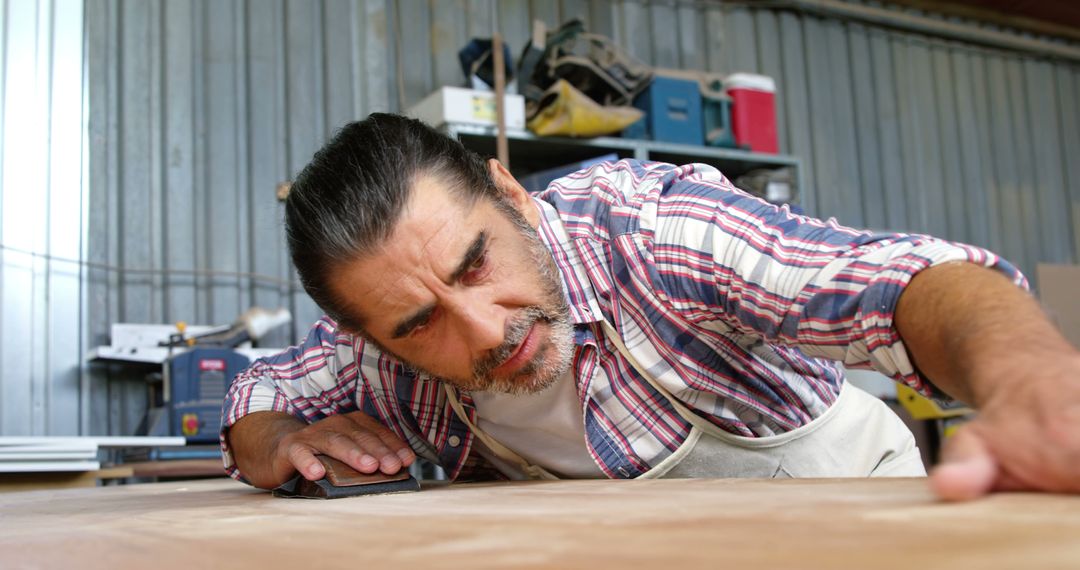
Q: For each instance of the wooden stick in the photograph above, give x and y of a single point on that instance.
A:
(502, 146)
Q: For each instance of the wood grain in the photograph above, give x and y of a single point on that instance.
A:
(563, 524)
(20, 482)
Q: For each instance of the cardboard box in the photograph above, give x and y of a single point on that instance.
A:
(467, 106)
(1059, 291)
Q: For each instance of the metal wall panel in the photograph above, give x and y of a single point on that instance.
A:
(41, 216)
(196, 110)
(907, 132)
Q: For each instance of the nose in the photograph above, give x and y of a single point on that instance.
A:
(481, 323)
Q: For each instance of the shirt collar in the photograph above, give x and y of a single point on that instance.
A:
(577, 287)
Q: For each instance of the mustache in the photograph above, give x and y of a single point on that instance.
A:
(516, 330)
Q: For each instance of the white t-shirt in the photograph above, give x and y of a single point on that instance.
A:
(547, 429)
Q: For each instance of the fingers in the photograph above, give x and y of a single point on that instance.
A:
(401, 450)
(376, 439)
(353, 448)
(355, 439)
(967, 471)
(1007, 483)
(380, 456)
(303, 459)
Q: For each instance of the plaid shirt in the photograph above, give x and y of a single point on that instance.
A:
(740, 308)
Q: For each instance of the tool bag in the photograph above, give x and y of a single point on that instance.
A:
(592, 63)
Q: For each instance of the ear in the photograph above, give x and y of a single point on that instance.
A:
(515, 192)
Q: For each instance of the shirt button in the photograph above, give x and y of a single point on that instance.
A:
(454, 441)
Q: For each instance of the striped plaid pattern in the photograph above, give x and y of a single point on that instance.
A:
(738, 307)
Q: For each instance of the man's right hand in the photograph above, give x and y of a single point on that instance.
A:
(271, 447)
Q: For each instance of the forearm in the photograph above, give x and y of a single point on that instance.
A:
(967, 327)
(254, 442)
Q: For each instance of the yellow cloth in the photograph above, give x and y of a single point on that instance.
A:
(568, 112)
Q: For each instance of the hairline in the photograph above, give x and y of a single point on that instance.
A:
(497, 199)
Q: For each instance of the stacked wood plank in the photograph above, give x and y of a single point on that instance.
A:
(68, 454)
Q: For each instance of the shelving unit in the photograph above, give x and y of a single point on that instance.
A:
(530, 153)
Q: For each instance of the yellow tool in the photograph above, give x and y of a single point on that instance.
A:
(181, 328)
(951, 415)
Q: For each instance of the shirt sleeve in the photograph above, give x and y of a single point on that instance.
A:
(729, 260)
(311, 381)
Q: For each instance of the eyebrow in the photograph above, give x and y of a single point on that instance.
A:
(475, 251)
(418, 318)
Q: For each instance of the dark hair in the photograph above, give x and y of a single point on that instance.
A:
(347, 200)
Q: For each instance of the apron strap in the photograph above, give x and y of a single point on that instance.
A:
(503, 452)
(537, 472)
(694, 419)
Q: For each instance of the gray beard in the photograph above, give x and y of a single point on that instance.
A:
(547, 366)
(550, 364)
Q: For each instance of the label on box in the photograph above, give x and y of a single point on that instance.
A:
(483, 108)
(212, 364)
(450, 105)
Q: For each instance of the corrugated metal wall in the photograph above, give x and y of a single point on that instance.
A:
(198, 109)
(41, 216)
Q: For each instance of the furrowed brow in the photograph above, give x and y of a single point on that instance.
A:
(418, 318)
(476, 249)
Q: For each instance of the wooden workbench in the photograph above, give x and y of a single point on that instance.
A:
(568, 524)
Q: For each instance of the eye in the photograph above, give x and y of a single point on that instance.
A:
(477, 268)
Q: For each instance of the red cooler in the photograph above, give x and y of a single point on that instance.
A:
(753, 111)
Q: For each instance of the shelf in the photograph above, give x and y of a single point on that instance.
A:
(530, 153)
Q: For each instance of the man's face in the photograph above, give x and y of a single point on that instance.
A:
(466, 294)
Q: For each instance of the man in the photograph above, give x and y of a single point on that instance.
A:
(633, 320)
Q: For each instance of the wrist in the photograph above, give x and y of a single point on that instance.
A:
(998, 372)
(255, 440)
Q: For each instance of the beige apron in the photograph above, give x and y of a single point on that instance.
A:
(858, 436)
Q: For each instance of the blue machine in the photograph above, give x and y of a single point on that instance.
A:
(198, 381)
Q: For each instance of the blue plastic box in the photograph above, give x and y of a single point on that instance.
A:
(716, 107)
(672, 112)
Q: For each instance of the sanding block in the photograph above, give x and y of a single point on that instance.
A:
(343, 481)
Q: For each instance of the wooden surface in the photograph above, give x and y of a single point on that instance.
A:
(178, 468)
(19, 482)
(567, 524)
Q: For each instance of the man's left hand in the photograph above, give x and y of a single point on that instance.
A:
(1026, 436)
(983, 340)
